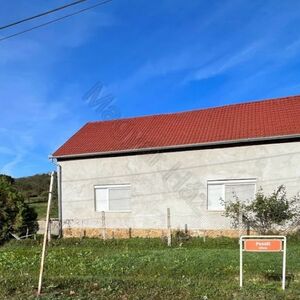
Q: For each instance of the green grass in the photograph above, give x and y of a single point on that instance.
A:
(41, 210)
(144, 269)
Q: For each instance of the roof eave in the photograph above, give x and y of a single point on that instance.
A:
(206, 144)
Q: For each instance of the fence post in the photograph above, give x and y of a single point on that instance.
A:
(82, 230)
(103, 225)
(185, 228)
(169, 227)
(49, 230)
(248, 229)
(130, 232)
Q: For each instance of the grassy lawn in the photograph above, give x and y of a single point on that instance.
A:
(41, 210)
(144, 269)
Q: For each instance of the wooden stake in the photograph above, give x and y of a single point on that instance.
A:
(49, 230)
(103, 225)
(45, 236)
(185, 229)
(169, 227)
(82, 230)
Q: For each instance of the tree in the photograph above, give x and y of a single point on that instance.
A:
(15, 215)
(7, 178)
(265, 214)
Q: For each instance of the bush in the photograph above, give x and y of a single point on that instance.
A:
(265, 214)
(15, 215)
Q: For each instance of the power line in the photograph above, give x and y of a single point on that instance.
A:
(55, 20)
(41, 14)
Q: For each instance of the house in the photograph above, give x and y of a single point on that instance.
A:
(124, 174)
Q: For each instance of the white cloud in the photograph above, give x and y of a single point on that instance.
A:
(31, 119)
(186, 56)
(76, 30)
(5, 150)
(9, 167)
(226, 63)
(52, 40)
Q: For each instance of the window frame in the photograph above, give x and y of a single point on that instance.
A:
(108, 186)
(229, 182)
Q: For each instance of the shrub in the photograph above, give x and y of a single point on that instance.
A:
(265, 214)
(181, 235)
(15, 215)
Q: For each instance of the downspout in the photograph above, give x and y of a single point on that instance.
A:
(59, 196)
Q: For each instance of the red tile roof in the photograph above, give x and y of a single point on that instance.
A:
(238, 122)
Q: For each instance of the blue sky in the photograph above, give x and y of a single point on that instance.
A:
(153, 56)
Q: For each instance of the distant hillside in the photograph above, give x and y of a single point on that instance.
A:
(35, 190)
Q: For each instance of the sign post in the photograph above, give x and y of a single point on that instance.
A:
(269, 243)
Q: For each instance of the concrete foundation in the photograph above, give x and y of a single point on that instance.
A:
(111, 233)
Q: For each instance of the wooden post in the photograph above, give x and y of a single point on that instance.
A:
(49, 231)
(45, 236)
(248, 229)
(81, 230)
(103, 225)
(169, 227)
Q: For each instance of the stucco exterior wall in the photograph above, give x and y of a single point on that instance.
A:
(175, 180)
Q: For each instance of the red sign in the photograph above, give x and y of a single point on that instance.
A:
(263, 245)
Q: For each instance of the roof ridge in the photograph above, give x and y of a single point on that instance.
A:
(248, 102)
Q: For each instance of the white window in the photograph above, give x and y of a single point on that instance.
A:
(221, 191)
(112, 198)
